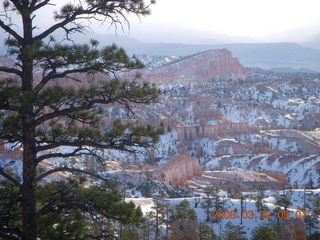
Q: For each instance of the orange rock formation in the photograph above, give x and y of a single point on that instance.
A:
(204, 66)
(180, 169)
(215, 131)
(184, 229)
(293, 229)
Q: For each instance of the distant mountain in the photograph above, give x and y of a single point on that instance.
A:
(263, 55)
(292, 70)
(213, 64)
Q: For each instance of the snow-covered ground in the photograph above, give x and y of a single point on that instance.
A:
(300, 171)
(296, 196)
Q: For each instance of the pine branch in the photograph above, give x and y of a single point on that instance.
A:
(122, 96)
(55, 75)
(55, 27)
(104, 236)
(10, 178)
(35, 6)
(108, 9)
(89, 143)
(9, 30)
(75, 153)
(65, 112)
(8, 237)
(11, 70)
(73, 170)
(18, 5)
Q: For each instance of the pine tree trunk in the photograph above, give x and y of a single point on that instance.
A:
(29, 225)
(29, 172)
(28, 196)
(157, 222)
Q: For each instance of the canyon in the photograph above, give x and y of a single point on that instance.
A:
(226, 125)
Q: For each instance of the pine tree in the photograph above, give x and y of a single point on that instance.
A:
(211, 200)
(41, 114)
(68, 210)
(260, 197)
(316, 206)
(183, 211)
(148, 226)
(284, 202)
(264, 233)
(207, 204)
(196, 202)
(233, 232)
(159, 214)
(206, 232)
(311, 221)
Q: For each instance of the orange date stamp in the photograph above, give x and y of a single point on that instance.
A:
(281, 214)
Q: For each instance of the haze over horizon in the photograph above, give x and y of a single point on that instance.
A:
(229, 21)
(214, 22)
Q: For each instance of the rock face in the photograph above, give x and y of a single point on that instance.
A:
(226, 180)
(204, 66)
(6, 61)
(215, 131)
(293, 229)
(184, 229)
(180, 169)
(8, 153)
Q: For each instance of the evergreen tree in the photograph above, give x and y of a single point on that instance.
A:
(237, 192)
(233, 232)
(316, 206)
(159, 216)
(183, 211)
(311, 221)
(41, 115)
(263, 232)
(212, 201)
(259, 198)
(206, 232)
(207, 204)
(68, 210)
(284, 202)
(314, 236)
(196, 202)
(148, 226)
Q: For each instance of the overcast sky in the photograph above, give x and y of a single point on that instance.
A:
(212, 21)
(260, 20)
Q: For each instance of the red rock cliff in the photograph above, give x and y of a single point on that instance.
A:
(203, 66)
(180, 169)
(215, 131)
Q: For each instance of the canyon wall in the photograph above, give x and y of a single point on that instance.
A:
(8, 153)
(191, 133)
(293, 229)
(219, 63)
(180, 169)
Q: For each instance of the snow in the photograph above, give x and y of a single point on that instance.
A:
(299, 172)
(11, 164)
(295, 196)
